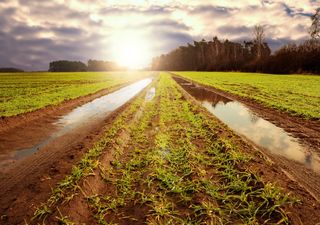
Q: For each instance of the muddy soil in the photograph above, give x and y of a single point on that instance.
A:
(79, 211)
(307, 133)
(26, 183)
(26, 130)
(52, 111)
(278, 172)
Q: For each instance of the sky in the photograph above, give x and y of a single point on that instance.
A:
(131, 32)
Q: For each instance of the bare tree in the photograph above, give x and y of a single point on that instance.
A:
(315, 26)
(259, 35)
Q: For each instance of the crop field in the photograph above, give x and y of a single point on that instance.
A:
(298, 95)
(167, 161)
(159, 157)
(26, 92)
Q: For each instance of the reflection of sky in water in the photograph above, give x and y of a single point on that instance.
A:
(150, 94)
(262, 132)
(100, 106)
(95, 109)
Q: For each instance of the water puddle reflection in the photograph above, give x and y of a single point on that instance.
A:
(150, 94)
(241, 119)
(85, 114)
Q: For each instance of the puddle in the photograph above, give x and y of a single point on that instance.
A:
(85, 114)
(263, 133)
(150, 94)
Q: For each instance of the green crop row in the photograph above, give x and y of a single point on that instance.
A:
(178, 166)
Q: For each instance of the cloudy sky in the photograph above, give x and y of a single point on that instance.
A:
(35, 32)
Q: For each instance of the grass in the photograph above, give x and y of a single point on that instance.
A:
(298, 95)
(67, 188)
(26, 92)
(178, 166)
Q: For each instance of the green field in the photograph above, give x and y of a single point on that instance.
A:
(177, 166)
(296, 94)
(165, 160)
(25, 92)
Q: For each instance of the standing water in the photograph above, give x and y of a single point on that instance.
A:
(260, 131)
(82, 115)
(150, 94)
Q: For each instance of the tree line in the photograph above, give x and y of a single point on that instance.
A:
(10, 70)
(78, 66)
(219, 55)
(214, 55)
(252, 56)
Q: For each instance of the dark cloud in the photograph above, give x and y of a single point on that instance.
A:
(288, 10)
(234, 30)
(24, 30)
(171, 40)
(6, 14)
(34, 53)
(213, 10)
(168, 24)
(67, 31)
(292, 12)
(8, 11)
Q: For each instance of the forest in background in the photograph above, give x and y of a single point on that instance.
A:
(78, 66)
(217, 55)
(249, 56)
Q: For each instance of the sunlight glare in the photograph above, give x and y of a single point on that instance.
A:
(132, 51)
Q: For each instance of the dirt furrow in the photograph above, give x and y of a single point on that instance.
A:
(307, 131)
(28, 183)
(170, 161)
(78, 209)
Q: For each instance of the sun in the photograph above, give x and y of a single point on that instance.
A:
(132, 52)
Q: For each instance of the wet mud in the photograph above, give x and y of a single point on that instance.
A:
(84, 115)
(300, 161)
(29, 178)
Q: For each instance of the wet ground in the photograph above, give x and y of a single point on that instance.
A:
(298, 157)
(83, 115)
(31, 180)
(54, 139)
(150, 94)
(243, 120)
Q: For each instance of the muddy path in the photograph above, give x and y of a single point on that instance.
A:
(28, 181)
(151, 144)
(21, 139)
(78, 208)
(307, 131)
(53, 111)
(298, 157)
(26, 130)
